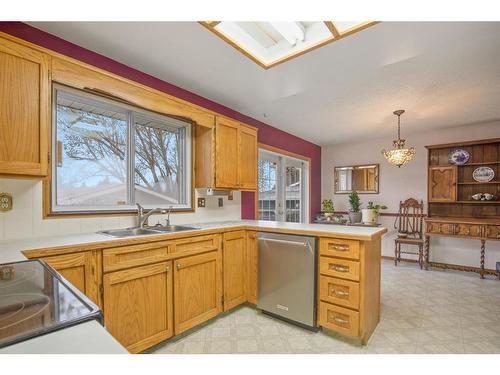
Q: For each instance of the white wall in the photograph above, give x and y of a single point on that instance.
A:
(408, 181)
(25, 219)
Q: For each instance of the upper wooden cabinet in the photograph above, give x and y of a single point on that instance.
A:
(24, 110)
(248, 157)
(443, 184)
(234, 269)
(226, 156)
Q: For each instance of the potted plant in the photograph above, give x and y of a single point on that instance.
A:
(328, 208)
(371, 212)
(355, 211)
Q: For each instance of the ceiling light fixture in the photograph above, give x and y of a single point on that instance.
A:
(291, 31)
(399, 155)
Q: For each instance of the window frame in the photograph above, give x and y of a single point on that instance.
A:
(187, 154)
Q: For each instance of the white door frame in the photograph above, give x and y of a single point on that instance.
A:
(282, 161)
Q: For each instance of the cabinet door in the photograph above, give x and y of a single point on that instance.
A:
(80, 269)
(234, 266)
(138, 305)
(24, 110)
(197, 290)
(248, 159)
(251, 250)
(226, 153)
(443, 184)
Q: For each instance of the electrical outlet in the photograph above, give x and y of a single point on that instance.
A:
(5, 202)
(201, 202)
(221, 202)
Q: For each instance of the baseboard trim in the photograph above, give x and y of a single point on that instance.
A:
(448, 266)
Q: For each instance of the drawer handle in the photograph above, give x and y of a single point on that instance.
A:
(339, 292)
(339, 247)
(340, 320)
(339, 268)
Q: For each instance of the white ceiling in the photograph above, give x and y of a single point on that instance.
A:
(443, 74)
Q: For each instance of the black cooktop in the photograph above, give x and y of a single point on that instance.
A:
(35, 300)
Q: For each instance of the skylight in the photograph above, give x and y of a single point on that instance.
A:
(271, 43)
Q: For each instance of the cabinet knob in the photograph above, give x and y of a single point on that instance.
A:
(167, 269)
(178, 266)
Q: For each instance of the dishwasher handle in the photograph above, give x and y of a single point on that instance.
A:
(284, 242)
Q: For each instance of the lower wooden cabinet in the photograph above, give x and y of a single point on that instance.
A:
(197, 289)
(349, 290)
(81, 270)
(138, 309)
(252, 267)
(234, 269)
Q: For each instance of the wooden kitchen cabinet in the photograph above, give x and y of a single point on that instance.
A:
(443, 184)
(248, 157)
(80, 269)
(234, 268)
(226, 156)
(197, 289)
(227, 153)
(138, 309)
(252, 266)
(24, 110)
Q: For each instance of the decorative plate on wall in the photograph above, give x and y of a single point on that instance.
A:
(483, 174)
(458, 156)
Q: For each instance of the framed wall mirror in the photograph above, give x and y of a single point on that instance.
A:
(360, 178)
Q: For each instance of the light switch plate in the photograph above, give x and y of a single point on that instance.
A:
(201, 202)
(5, 202)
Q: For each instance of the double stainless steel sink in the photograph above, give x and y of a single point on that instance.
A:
(145, 231)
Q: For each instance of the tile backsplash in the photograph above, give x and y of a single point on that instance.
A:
(25, 220)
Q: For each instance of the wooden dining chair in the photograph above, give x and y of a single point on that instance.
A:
(410, 229)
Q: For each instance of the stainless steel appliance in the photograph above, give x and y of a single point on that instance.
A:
(287, 277)
(35, 300)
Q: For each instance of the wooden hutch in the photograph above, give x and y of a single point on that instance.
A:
(451, 210)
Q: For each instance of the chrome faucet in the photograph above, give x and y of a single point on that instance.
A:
(142, 218)
(168, 216)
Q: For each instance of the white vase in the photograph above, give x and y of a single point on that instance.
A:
(369, 216)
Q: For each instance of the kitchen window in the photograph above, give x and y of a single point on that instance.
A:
(108, 156)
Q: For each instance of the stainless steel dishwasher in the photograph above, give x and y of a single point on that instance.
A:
(287, 277)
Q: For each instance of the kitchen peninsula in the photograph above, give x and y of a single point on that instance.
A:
(211, 269)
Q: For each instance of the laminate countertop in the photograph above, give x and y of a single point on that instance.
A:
(84, 338)
(12, 250)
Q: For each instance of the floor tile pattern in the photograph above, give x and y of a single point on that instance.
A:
(431, 311)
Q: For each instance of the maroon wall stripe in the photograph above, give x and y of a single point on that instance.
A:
(267, 134)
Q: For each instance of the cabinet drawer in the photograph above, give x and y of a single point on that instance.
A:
(339, 319)
(344, 269)
(195, 244)
(339, 248)
(118, 258)
(469, 230)
(441, 228)
(493, 231)
(340, 292)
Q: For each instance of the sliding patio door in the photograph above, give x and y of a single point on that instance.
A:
(283, 188)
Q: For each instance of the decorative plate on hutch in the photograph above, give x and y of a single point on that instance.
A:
(458, 156)
(483, 174)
